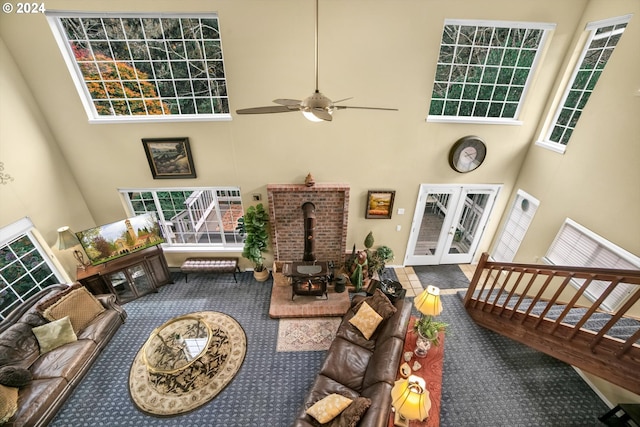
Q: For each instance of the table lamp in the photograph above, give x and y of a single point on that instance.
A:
(68, 240)
(428, 302)
(410, 399)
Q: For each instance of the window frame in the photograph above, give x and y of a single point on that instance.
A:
(615, 300)
(13, 232)
(511, 223)
(546, 29)
(544, 139)
(171, 245)
(59, 33)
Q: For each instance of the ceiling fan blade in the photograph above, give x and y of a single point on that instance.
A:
(344, 99)
(266, 110)
(322, 114)
(295, 102)
(343, 107)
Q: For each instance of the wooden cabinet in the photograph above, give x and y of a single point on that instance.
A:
(128, 277)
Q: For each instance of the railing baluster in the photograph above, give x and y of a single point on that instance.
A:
(594, 307)
(628, 343)
(534, 276)
(490, 291)
(572, 303)
(511, 292)
(553, 299)
(614, 319)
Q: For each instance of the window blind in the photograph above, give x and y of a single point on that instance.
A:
(520, 217)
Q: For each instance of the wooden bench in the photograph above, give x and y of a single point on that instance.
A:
(210, 265)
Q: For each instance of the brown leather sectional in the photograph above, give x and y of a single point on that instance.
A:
(56, 373)
(355, 366)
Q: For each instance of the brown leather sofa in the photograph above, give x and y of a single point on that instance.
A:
(57, 372)
(355, 366)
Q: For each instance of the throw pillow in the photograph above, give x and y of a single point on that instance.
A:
(54, 334)
(42, 306)
(8, 403)
(352, 415)
(15, 376)
(329, 407)
(79, 305)
(366, 320)
(380, 303)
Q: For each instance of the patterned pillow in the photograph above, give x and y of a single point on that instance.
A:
(351, 416)
(329, 407)
(79, 305)
(53, 335)
(366, 320)
(8, 403)
(380, 303)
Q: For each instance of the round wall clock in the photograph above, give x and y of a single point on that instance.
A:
(467, 154)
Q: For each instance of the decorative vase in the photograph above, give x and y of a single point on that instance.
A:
(422, 346)
(340, 284)
(261, 276)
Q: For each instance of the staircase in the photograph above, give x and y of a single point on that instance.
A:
(545, 308)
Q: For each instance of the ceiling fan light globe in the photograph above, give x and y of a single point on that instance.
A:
(310, 116)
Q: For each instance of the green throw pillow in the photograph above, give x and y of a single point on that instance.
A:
(54, 334)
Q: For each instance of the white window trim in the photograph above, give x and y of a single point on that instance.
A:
(533, 201)
(545, 26)
(85, 97)
(544, 138)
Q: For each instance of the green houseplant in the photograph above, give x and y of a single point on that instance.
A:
(429, 329)
(253, 225)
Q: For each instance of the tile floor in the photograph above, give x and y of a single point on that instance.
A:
(409, 279)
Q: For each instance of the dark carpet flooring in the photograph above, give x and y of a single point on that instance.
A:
(488, 380)
(445, 276)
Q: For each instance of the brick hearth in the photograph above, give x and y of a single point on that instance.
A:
(287, 222)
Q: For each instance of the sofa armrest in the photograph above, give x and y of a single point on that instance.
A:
(109, 302)
(356, 299)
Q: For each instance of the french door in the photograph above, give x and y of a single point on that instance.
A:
(448, 223)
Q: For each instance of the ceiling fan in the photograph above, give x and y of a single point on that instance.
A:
(317, 107)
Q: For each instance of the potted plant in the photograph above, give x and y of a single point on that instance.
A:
(428, 331)
(253, 225)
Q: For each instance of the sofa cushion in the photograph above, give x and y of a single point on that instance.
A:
(326, 409)
(352, 415)
(15, 376)
(380, 303)
(383, 365)
(78, 304)
(346, 363)
(8, 402)
(18, 345)
(65, 361)
(37, 399)
(366, 320)
(102, 327)
(54, 334)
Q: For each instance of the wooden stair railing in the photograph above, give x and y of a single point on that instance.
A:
(515, 300)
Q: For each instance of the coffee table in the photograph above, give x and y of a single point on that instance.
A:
(175, 345)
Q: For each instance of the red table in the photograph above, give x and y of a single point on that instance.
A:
(431, 371)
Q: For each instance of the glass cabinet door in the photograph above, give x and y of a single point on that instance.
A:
(121, 285)
(141, 280)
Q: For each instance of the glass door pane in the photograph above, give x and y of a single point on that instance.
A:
(121, 285)
(433, 219)
(140, 279)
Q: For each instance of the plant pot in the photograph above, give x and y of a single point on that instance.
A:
(422, 346)
(261, 276)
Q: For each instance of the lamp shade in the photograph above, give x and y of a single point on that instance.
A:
(428, 302)
(66, 239)
(410, 398)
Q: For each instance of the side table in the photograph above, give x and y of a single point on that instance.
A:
(430, 371)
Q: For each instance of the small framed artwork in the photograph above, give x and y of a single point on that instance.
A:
(169, 157)
(380, 204)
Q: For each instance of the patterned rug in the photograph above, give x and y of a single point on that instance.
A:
(166, 394)
(307, 334)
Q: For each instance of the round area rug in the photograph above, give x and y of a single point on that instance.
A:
(165, 394)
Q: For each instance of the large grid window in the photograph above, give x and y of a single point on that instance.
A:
(484, 69)
(145, 67)
(576, 245)
(603, 38)
(24, 266)
(192, 216)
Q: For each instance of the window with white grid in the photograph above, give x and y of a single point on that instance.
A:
(145, 67)
(520, 216)
(25, 268)
(576, 245)
(603, 38)
(205, 217)
(484, 69)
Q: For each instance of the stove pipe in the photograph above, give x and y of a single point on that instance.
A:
(309, 211)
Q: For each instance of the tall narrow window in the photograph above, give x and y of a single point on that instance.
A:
(578, 246)
(603, 38)
(192, 216)
(520, 216)
(145, 67)
(484, 69)
(24, 266)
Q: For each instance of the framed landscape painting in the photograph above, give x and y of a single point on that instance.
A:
(169, 157)
(380, 204)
